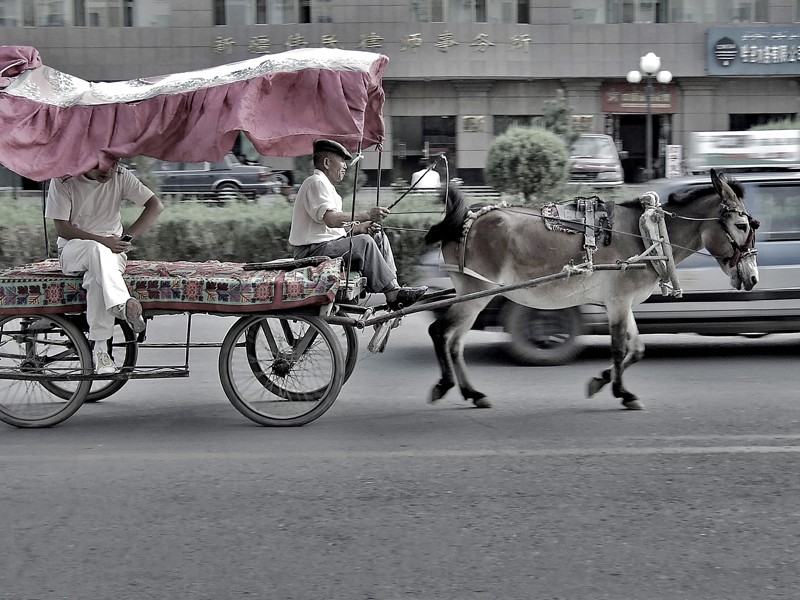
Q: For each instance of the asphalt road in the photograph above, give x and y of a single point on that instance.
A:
(165, 491)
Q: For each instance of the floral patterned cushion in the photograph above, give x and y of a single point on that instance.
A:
(211, 286)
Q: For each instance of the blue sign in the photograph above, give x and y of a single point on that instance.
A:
(753, 51)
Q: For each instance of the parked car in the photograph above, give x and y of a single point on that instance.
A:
(595, 161)
(221, 180)
(708, 307)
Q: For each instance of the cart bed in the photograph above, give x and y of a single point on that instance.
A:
(209, 287)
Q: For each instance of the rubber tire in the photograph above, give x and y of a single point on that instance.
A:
(542, 337)
(323, 397)
(77, 341)
(103, 388)
(222, 191)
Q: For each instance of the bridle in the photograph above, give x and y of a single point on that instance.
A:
(749, 247)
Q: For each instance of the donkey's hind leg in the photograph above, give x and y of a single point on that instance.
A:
(447, 333)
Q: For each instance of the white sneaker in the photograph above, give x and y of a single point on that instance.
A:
(103, 363)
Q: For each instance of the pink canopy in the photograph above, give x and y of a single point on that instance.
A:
(54, 124)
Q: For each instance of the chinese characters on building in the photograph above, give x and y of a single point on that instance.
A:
(261, 44)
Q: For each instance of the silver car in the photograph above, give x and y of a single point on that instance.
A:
(223, 180)
(708, 306)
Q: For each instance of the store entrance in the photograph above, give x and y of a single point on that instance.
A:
(633, 138)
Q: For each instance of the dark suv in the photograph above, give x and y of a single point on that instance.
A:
(709, 306)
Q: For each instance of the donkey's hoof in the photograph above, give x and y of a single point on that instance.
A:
(437, 393)
(482, 402)
(634, 404)
(595, 385)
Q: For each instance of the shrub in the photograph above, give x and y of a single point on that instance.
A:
(198, 232)
(527, 161)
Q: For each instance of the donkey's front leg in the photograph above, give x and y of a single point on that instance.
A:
(626, 349)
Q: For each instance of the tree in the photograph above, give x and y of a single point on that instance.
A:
(557, 117)
(527, 161)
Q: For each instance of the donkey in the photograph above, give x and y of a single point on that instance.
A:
(503, 246)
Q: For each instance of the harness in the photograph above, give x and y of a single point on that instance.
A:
(659, 252)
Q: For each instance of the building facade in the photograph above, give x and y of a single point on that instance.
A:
(461, 71)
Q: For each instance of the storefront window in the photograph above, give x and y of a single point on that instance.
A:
(503, 122)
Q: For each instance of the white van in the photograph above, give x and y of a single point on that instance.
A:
(595, 161)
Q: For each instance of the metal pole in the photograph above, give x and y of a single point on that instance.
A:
(648, 92)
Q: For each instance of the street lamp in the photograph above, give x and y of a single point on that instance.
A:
(649, 66)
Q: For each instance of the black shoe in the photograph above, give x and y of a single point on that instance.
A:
(407, 296)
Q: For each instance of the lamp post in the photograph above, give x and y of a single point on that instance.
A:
(649, 67)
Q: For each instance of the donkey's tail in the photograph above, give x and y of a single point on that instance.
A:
(450, 228)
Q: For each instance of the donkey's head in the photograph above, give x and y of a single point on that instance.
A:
(733, 242)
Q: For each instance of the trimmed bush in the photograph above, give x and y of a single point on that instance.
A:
(527, 161)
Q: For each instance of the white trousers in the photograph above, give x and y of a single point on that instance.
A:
(102, 279)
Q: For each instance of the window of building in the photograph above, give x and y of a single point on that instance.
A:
(84, 13)
(744, 121)
(470, 11)
(503, 122)
(670, 11)
(274, 12)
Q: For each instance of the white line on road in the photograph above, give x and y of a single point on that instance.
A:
(101, 454)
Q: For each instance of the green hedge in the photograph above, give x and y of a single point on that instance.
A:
(238, 232)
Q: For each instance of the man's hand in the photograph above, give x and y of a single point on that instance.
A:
(378, 213)
(368, 227)
(115, 244)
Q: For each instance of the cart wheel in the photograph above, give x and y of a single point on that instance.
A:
(281, 370)
(35, 350)
(124, 341)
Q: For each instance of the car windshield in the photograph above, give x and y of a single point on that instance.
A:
(593, 147)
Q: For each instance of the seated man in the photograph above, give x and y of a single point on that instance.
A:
(86, 214)
(318, 228)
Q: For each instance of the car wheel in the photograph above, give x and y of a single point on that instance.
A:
(542, 337)
(279, 184)
(228, 192)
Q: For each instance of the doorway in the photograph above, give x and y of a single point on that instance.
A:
(633, 137)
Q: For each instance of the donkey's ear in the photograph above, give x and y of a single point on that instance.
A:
(722, 186)
(717, 179)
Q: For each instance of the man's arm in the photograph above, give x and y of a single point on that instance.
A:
(335, 219)
(152, 209)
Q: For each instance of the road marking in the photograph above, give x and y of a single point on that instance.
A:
(100, 454)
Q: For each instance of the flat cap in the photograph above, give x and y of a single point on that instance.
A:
(331, 146)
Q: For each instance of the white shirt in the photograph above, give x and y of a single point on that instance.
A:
(92, 206)
(427, 181)
(315, 197)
